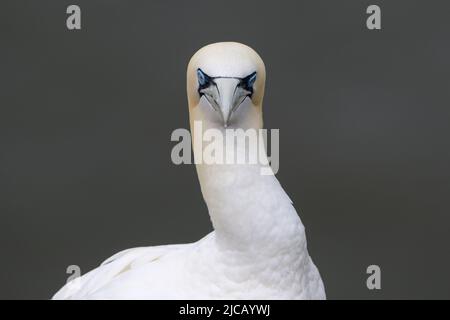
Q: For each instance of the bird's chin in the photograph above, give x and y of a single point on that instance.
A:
(230, 124)
(223, 126)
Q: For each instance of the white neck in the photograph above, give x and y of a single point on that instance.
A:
(247, 208)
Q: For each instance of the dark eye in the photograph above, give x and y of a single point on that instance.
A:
(204, 81)
(248, 82)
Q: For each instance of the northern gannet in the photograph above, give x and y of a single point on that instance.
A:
(258, 247)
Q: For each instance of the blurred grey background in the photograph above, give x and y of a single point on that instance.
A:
(86, 118)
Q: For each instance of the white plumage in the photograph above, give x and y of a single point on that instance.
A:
(258, 247)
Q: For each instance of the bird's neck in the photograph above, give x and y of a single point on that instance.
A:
(247, 207)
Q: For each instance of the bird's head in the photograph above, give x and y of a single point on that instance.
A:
(225, 85)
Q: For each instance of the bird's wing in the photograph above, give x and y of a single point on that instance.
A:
(112, 267)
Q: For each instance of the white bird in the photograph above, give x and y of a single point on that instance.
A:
(258, 247)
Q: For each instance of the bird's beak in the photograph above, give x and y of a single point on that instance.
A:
(229, 98)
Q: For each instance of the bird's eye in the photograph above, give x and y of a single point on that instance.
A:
(204, 81)
(248, 82)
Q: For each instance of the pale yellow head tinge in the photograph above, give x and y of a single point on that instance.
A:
(227, 79)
